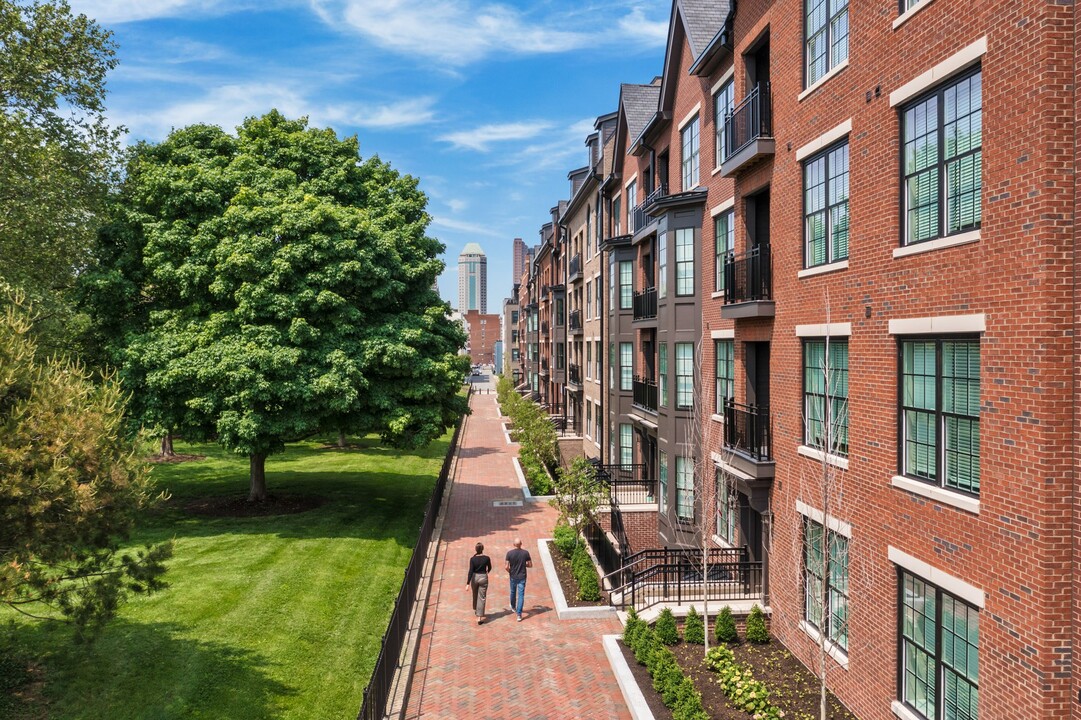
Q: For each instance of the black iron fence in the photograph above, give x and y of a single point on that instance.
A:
(387, 664)
(574, 374)
(749, 277)
(645, 303)
(746, 429)
(750, 120)
(644, 393)
(574, 268)
(683, 575)
(575, 320)
(640, 217)
(628, 484)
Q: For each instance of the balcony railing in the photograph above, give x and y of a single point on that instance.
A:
(544, 328)
(750, 120)
(575, 320)
(677, 576)
(544, 364)
(575, 267)
(640, 217)
(749, 277)
(628, 484)
(645, 393)
(645, 303)
(747, 430)
(574, 374)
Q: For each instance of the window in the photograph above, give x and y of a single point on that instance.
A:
(662, 266)
(589, 421)
(626, 285)
(514, 336)
(724, 238)
(589, 231)
(611, 281)
(662, 364)
(626, 448)
(685, 261)
(816, 369)
(943, 137)
(689, 144)
(939, 652)
(514, 317)
(825, 207)
(611, 365)
(626, 365)
(726, 507)
(827, 37)
(597, 409)
(514, 355)
(616, 218)
(561, 356)
(589, 299)
(632, 202)
(560, 311)
(684, 375)
(589, 359)
(909, 4)
(598, 346)
(663, 480)
(598, 288)
(684, 489)
(825, 590)
(940, 412)
(725, 351)
(723, 103)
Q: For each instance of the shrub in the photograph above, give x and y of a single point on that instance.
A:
(676, 689)
(694, 629)
(634, 628)
(588, 585)
(565, 539)
(688, 703)
(535, 475)
(739, 685)
(756, 626)
(666, 629)
(724, 626)
(647, 641)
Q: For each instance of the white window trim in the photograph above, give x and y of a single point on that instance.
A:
(823, 269)
(835, 524)
(715, 295)
(723, 207)
(816, 454)
(832, 649)
(721, 541)
(824, 140)
(634, 178)
(833, 329)
(938, 244)
(937, 494)
(690, 116)
(717, 418)
(940, 325)
(950, 66)
(904, 17)
(836, 69)
(902, 712)
(729, 334)
(950, 583)
(720, 83)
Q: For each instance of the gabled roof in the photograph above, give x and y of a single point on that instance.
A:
(639, 105)
(698, 21)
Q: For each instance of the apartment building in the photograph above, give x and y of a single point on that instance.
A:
(512, 366)
(839, 322)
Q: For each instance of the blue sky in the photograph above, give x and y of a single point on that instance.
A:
(487, 103)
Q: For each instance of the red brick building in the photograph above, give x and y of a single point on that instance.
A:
(483, 330)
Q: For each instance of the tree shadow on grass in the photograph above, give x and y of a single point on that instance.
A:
(143, 670)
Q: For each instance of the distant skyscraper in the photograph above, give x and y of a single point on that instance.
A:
(520, 251)
(473, 279)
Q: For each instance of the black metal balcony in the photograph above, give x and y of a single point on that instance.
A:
(640, 217)
(575, 321)
(644, 393)
(574, 269)
(748, 284)
(747, 430)
(574, 374)
(544, 365)
(748, 131)
(676, 575)
(645, 304)
(628, 484)
(544, 328)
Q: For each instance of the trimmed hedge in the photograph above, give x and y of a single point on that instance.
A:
(724, 626)
(756, 626)
(586, 574)
(666, 629)
(676, 689)
(694, 628)
(565, 539)
(738, 683)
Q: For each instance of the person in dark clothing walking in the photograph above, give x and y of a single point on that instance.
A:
(517, 562)
(477, 580)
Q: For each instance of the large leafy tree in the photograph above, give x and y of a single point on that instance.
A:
(286, 288)
(70, 486)
(57, 155)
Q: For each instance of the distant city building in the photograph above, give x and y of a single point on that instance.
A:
(483, 331)
(473, 279)
(520, 252)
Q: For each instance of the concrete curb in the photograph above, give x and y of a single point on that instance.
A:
(563, 611)
(529, 497)
(632, 694)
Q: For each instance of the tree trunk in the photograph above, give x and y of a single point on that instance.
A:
(341, 439)
(258, 478)
(167, 445)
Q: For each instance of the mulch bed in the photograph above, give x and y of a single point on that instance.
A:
(175, 458)
(793, 688)
(237, 506)
(568, 583)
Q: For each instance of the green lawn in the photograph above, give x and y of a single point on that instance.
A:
(274, 617)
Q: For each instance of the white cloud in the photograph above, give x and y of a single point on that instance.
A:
(481, 138)
(122, 11)
(468, 227)
(637, 27)
(404, 113)
(456, 32)
(457, 205)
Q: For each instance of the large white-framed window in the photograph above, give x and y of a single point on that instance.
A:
(825, 589)
(662, 374)
(626, 366)
(940, 641)
(662, 475)
(689, 142)
(632, 203)
(825, 206)
(940, 412)
(597, 346)
(725, 498)
(626, 444)
(617, 216)
(817, 368)
(724, 240)
(684, 489)
(943, 160)
(626, 285)
(662, 265)
(826, 33)
(725, 374)
(684, 375)
(589, 360)
(723, 103)
(589, 299)
(611, 365)
(684, 262)
(611, 281)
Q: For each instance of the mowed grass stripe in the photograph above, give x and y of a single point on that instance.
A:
(275, 617)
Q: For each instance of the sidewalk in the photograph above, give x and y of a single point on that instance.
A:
(540, 668)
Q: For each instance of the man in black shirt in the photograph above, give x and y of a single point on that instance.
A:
(517, 562)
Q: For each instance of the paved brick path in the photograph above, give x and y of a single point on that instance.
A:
(540, 668)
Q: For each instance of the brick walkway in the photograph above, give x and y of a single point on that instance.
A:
(540, 668)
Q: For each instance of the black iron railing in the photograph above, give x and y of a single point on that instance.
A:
(575, 320)
(544, 328)
(574, 374)
(608, 556)
(644, 393)
(750, 120)
(628, 484)
(544, 364)
(645, 303)
(747, 429)
(640, 217)
(749, 277)
(682, 577)
(378, 692)
(574, 269)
